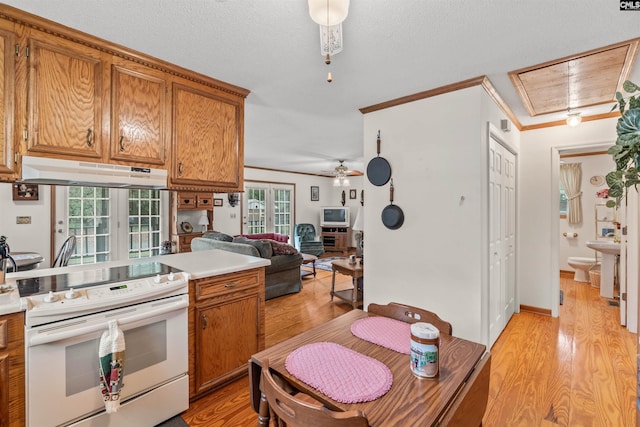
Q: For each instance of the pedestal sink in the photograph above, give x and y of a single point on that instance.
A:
(609, 251)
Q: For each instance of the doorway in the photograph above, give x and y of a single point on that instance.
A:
(268, 208)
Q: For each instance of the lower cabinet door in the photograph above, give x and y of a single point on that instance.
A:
(227, 334)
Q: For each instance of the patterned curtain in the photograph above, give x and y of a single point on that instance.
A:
(570, 177)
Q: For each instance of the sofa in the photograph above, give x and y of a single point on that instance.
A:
(282, 277)
(260, 236)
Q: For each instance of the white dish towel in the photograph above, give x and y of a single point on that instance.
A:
(111, 353)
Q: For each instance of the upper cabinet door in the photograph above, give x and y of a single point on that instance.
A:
(64, 98)
(138, 105)
(207, 138)
(7, 88)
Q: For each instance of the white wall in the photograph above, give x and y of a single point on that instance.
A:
(592, 165)
(539, 225)
(437, 148)
(229, 219)
(26, 237)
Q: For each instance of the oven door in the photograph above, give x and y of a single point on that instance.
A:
(62, 359)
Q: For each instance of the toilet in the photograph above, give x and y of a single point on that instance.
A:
(582, 265)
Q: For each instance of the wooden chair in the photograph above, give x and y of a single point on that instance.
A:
(66, 250)
(409, 314)
(292, 411)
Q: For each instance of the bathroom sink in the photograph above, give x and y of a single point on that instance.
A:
(604, 246)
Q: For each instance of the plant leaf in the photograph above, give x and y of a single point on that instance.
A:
(630, 87)
(629, 123)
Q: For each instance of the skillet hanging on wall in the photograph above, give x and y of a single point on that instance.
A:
(392, 215)
(378, 169)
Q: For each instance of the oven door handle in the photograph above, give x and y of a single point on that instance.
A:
(52, 336)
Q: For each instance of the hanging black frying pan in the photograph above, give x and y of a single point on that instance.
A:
(392, 215)
(378, 169)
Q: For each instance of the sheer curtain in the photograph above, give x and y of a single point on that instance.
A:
(570, 177)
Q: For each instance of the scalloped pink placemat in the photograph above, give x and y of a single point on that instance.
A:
(340, 373)
(389, 333)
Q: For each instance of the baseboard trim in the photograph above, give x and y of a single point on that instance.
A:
(566, 274)
(537, 310)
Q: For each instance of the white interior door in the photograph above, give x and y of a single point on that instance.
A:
(269, 208)
(502, 236)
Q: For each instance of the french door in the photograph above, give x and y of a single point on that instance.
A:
(110, 224)
(268, 208)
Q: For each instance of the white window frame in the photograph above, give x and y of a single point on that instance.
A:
(270, 208)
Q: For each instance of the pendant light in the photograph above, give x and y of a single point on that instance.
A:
(329, 14)
(573, 119)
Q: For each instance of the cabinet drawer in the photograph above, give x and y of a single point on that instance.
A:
(185, 239)
(220, 285)
(187, 201)
(205, 202)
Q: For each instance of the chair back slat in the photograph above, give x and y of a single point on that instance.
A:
(289, 410)
(409, 314)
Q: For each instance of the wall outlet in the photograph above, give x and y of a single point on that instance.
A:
(23, 220)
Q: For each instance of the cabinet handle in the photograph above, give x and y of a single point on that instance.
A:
(121, 142)
(204, 321)
(180, 168)
(89, 138)
(231, 285)
(17, 50)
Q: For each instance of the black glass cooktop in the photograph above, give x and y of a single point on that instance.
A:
(93, 277)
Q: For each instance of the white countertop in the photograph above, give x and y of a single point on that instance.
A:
(214, 262)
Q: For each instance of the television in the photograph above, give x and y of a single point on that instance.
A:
(334, 216)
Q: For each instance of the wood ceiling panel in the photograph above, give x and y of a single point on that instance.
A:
(586, 79)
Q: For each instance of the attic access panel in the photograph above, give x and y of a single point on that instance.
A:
(593, 78)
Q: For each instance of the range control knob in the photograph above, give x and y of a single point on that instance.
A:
(71, 294)
(157, 279)
(172, 276)
(51, 297)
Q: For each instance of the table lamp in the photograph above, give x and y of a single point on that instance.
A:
(203, 221)
(358, 225)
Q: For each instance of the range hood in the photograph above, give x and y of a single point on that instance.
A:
(44, 170)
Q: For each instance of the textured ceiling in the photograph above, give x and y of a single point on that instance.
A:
(294, 119)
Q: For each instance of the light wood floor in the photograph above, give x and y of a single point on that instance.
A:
(575, 370)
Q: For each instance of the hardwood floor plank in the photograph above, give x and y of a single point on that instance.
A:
(578, 369)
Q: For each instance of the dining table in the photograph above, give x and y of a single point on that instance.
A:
(457, 397)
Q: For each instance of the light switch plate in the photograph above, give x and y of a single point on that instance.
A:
(23, 220)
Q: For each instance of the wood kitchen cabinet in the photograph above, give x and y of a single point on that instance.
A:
(70, 95)
(226, 326)
(65, 97)
(189, 202)
(138, 113)
(7, 55)
(12, 376)
(207, 138)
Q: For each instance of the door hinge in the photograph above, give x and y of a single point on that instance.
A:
(26, 52)
(623, 297)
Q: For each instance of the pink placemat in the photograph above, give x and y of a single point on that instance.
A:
(340, 373)
(389, 333)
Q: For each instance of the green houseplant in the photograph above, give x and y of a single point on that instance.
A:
(626, 151)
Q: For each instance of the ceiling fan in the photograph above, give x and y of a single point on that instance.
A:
(341, 172)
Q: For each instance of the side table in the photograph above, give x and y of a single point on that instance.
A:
(356, 271)
(308, 259)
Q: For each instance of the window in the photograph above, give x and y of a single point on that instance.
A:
(95, 215)
(269, 208)
(563, 203)
(144, 223)
(88, 212)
